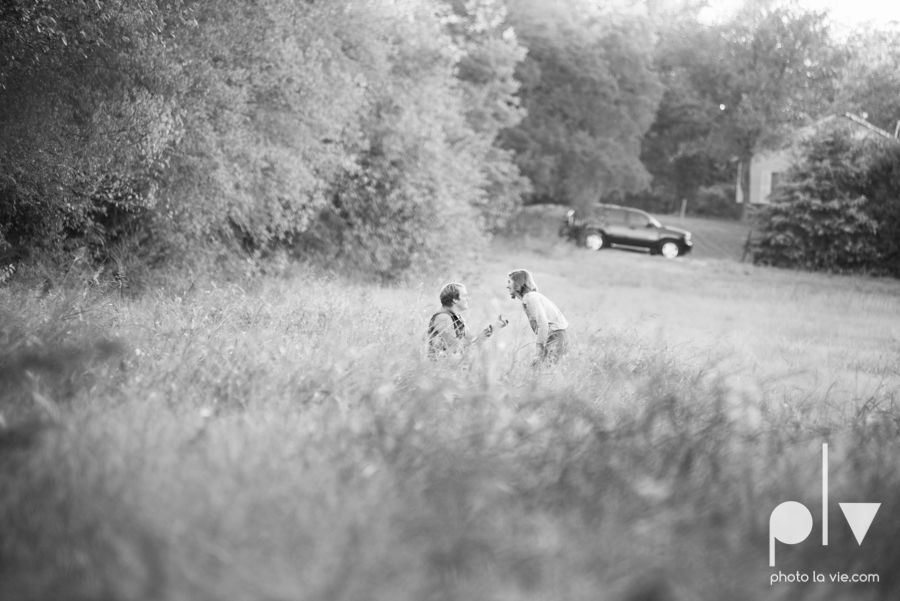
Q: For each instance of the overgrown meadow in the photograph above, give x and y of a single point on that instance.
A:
(283, 436)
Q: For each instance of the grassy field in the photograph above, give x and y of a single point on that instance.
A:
(284, 437)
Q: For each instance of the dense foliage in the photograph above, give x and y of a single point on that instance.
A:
(883, 190)
(87, 110)
(256, 125)
(838, 210)
(732, 87)
(870, 81)
(590, 94)
(391, 136)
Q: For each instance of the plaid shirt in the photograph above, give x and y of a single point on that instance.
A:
(446, 330)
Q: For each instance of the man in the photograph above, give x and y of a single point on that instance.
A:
(447, 331)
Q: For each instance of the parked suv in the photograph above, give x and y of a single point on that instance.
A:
(611, 225)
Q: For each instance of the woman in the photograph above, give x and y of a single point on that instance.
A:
(546, 320)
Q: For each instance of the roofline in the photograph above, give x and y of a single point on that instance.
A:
(791, 139)
(853, 117)
(864, 123)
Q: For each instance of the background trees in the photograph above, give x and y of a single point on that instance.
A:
(590, 94)
(489, 54)
(870, 81)
(676, 149)
(409, 195)
(735, 86)
(270, 102)
(371, 126)
(394, 135)
(87, 109)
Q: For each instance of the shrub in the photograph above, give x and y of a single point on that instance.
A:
(820, 219)
(883, 188)
(385, 221)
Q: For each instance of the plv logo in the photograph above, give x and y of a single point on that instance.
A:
(791, 522)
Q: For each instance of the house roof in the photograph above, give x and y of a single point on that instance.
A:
(864, 123)
(808, 130)
(854, 118)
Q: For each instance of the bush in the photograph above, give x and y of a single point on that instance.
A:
(821, 218)
(385, 221)
(883, 188)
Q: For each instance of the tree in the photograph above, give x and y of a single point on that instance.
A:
(820, 219)
(87, 108)
(408, 196)
(735, 87)
(271, 111)
(258, 124)
(489, 54)
(883, 190)
(870, 81)
(675, 150)
(590, 96)
(781, 70)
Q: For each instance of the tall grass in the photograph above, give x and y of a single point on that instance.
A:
(285, 438)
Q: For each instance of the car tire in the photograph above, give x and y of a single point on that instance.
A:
(594, 240)
(669, 249)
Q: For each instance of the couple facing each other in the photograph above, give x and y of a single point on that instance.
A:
(447, 331)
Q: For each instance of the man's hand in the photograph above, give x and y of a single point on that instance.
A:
(500, 323)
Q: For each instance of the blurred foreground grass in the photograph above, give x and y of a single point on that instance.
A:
(286, 439)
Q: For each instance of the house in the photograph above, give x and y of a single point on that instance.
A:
(767, 167)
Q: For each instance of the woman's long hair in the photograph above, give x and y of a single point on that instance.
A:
(522, 281)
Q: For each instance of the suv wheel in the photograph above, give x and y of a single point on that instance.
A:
(594, 241)
(669, 249)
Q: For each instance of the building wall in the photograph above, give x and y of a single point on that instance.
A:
(762, 167)
(765, 164)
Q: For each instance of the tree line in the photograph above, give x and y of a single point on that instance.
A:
(389, 135)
